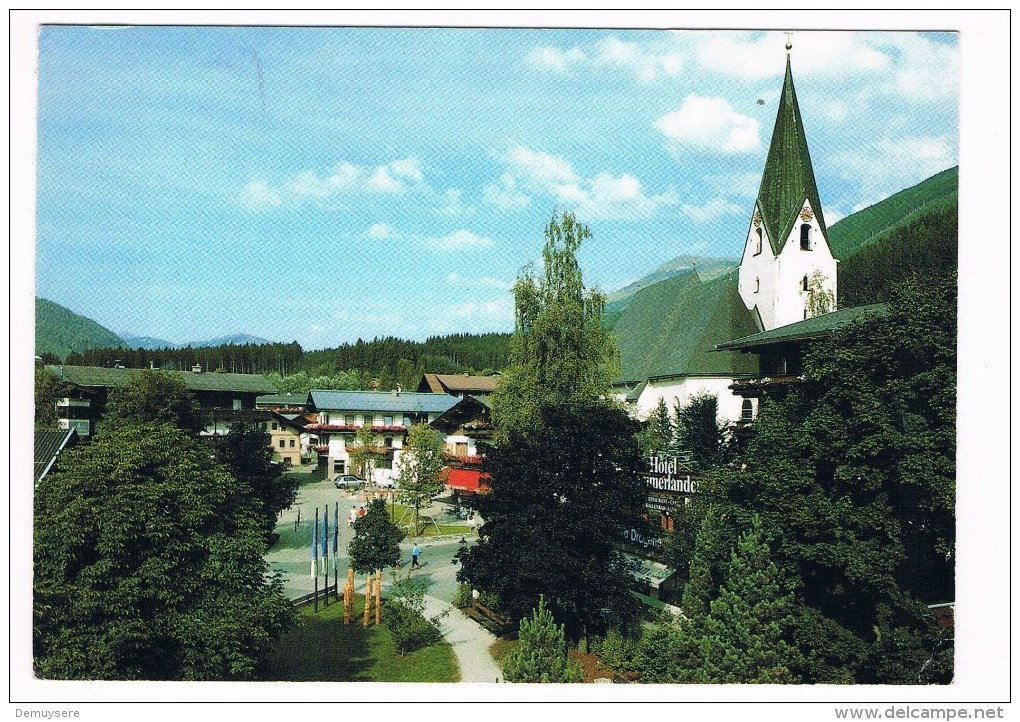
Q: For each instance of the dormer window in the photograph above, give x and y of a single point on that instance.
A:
(805, 237)
(757, 243)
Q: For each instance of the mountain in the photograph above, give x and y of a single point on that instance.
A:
(152, 344)
(852, 234)
(147, 342)
(60, 331)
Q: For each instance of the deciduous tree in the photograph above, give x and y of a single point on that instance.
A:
(420, 465)
(148, 564)
(158, 397)
(559, 353)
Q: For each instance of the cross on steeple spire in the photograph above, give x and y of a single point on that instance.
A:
(789, 42)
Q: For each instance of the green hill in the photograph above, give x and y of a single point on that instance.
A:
(850, 235)
(59, 331)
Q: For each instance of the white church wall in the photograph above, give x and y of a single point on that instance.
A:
(756, 277)
(681, 391)
(794, 264)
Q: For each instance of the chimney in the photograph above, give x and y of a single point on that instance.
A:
(196, 369)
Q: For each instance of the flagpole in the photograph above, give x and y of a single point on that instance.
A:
(315, 561)
(325, 554)
(336, 553)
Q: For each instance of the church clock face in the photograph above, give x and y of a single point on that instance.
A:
(756, 219)
(806, 214)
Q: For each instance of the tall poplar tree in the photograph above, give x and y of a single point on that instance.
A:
(559, 353)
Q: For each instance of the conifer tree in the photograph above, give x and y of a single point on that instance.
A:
(744, 638)
(541, 655)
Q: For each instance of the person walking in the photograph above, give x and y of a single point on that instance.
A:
(352, 517)
(415, 552)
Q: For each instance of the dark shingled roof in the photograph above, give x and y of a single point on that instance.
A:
(48, 444)
(812, 328)
(672, 327)
(97, 376)
(788, 177)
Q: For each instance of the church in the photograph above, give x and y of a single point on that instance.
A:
(669, 332)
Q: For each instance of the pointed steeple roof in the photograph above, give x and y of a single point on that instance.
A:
(788, 178)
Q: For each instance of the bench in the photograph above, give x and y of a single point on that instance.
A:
(493, 621)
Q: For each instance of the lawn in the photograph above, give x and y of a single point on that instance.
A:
(404, 515)
(321, 648)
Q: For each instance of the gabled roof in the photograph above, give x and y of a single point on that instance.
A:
(672, 327)
(788, 177)
(812, 328)
(458, 383)
(403, 402)
(48, 445)
(99, 377)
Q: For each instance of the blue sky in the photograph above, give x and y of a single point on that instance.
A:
(326, 184)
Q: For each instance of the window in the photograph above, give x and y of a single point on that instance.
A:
(275, 426)
(757, 244)
(349, 420)
(291, 444)
(756, 285)
(388, 441)
(804, 283)
(387, 421)
(283, 443)
(746, 410)
(805, 237)
(462, 449)
(237, 404)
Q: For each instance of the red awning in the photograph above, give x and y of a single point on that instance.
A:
(466, 479)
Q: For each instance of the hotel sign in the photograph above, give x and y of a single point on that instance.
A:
(666, 474)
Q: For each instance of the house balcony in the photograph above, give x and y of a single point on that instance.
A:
(355, 428)
(772, 385)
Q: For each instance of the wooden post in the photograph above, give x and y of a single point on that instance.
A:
(368, 597)
(378, 595)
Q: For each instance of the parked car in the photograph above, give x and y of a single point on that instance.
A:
(348, 481)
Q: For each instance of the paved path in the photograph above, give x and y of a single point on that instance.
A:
(291, 556)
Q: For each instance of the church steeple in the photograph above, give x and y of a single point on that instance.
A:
(787, 272)
(788, 178)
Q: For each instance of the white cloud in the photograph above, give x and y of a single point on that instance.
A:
(646, 61)
(454, 205)
(505, 193)
(604, 196)
(754, 56)
(393, 177)
(257, 195)
(501, 309)
(458, 241)
(550, 58)
(892, 164)
(646, 64)
(381, 231)
(831, 215)
(713, 209)
(709, 124)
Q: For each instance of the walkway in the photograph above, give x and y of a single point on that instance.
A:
(291, 556)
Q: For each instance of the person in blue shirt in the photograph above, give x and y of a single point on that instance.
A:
(414, 556)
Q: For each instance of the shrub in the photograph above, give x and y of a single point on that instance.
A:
(405, 618)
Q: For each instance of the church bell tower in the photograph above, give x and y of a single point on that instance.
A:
(787, 272)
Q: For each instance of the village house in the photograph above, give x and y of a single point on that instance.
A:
(389, 415)
(224, 397)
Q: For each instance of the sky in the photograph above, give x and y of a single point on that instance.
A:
(324, 184)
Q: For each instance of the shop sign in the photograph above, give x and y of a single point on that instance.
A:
(636, 537)
(665, 475)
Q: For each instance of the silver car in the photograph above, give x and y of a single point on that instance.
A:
(348, 481)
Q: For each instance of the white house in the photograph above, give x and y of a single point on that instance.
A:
(389, 415)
